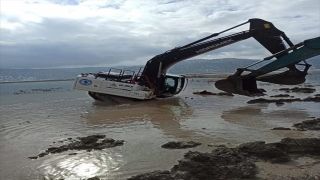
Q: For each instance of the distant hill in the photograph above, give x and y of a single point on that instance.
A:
(229, 65)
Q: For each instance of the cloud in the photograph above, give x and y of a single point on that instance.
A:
(58, 33)
(65, 2)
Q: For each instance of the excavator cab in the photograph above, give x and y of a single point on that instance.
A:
(172, 85)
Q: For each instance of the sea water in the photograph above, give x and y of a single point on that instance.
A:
(37, 115)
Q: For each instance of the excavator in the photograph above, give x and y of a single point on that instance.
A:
(153, 81)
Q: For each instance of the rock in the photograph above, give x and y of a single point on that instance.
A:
(280, 128)
(196, 165)
(317, 95)
(282, 95)
(85, 143)
(43, 154)
(260, 150)
(279, 103)
(234, 163)
(302, 147)
(205, 166)
(205, 92)
(154, 175)
(299, 90)
(108, 140)
(224, 94)
(180, 145)
(89, 140)
(308, 125)
(262, 100)
(71, 154)
(94, 178)
(312, 99)
(33, 157)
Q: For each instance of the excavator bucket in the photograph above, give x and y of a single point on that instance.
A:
(239, 85)
(248, 86)
(289, 58)
(286, 78)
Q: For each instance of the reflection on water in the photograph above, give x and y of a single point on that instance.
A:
(165, 114)
(259, 116)
(83, 165)
(268, 116)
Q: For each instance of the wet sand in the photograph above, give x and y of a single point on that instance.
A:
(30, 123)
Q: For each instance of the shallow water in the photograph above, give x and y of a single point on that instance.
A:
(32, 120)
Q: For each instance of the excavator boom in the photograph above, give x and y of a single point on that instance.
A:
(263, 31)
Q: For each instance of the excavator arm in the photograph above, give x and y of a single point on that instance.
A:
(263, 31)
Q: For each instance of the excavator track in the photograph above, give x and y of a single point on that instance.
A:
(109, 98)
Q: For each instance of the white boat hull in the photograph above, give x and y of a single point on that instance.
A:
(112, 88)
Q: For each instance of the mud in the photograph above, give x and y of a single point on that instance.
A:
(205, 92)
(180, 145)
(235, 163)
(281, 101)
(313, 124)
(89, 143)
(298, 90)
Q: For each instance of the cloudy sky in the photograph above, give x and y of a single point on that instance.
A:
(77, 33)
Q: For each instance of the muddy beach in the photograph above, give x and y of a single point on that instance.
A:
(197, 131)
(238, 162)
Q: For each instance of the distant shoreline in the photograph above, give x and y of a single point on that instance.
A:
(50, 80)
(203, 75)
